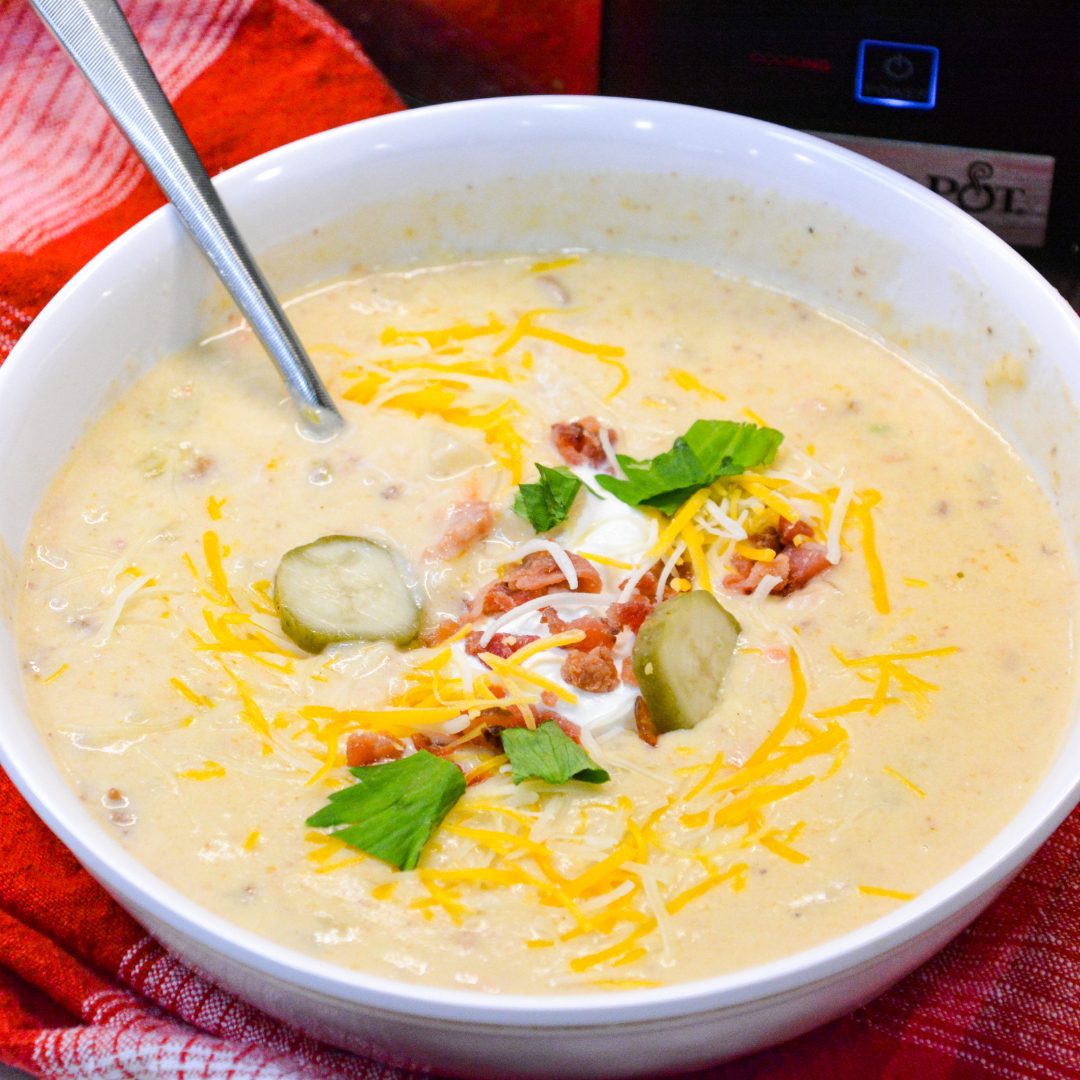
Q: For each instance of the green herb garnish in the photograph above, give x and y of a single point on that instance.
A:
(548, 753)
(547, 503)
(393, 808)
(709, 450)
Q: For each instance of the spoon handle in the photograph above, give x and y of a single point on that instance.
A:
(99, 40)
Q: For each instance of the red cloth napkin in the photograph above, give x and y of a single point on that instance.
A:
(84, 991)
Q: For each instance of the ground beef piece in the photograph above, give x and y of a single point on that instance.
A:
(594, 671)
(579, 442)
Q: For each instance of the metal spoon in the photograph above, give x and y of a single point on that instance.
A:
(99, 39)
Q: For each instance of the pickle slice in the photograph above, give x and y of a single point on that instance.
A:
(343, 588)
(680, 658)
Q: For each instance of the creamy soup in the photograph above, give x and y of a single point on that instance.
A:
(899, 681)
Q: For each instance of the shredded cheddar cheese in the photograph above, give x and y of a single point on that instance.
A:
(210, 770)
(686, 380)
(891, 894)
(904, 780)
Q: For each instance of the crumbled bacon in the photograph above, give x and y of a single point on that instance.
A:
(643, 721)
(501, 645)
(597, 629)
(437, 634)
(371, 747)
(806, 562)
(626, 672)
(594, 671)
(496, 719)
(794, 564)
(630, 615)
(437, 744)
(536, 575)
(466, 522)
(645, 589)
(495, 598)
(788, 530)
(579, 442)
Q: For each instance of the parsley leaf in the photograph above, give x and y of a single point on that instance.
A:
(549, 754)
(709, 450)
(547, 503)
(393, 808)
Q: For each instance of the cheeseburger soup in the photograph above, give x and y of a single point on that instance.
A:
(777, 636)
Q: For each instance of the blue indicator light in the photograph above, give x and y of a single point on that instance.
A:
(896, 74)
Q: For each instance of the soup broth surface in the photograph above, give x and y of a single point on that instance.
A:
(877, 725)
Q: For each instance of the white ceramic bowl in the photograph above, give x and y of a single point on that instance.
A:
(524, 174)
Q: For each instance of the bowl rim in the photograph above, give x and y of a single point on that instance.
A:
(122, 874)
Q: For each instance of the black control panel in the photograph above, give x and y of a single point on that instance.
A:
(896, 74)
(980, 104)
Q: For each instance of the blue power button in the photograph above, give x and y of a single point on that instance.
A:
(896, 74)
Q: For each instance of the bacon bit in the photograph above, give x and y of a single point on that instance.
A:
(501, 645)
(643, 721)
(626, 672)
(536, 575)
(593, 671)
(807, 561)
(371, 747)
(433, 744)
(200, 467)
(645, 590)
(597, 629)
(495, 599)
(466, 523)
(795, 564)
(579, 442)
(631, 615)
(497, 719)
(436, 635)
(788, 530)
(549, 699)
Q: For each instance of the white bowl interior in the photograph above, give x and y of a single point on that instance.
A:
(752, 200)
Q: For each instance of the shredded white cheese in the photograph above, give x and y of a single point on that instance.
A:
(764, 587)
(550, 600)
(609, 452)
(836, 521)
(647, 876)
(669, 567)
(631, 582)
(116, 609)
(721, 525)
